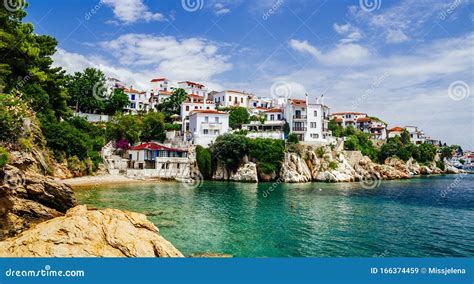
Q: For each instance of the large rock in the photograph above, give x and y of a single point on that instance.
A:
(88, 233)
(27, 199)
(246, 173)
(294, 169)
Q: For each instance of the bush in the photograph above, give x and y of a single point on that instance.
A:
(153, 127)
(204, 161)
(13, 112)
(4, 157)
(320, 151)
(172, 127)
(427, 153)
(238, 116)
(333, 165)
(269, 154)
(230, 149)
(293, 138)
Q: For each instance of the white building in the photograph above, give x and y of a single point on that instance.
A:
(373, 126)
(272, 127)
(308, 121)
(194, 102)
(416, 136)
(193, 88)
(139, 101)
(231, 98)
(206, 125)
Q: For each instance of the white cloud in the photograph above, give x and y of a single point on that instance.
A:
(350, 33)
(341, 54)
(396, 36)
(131, 11)
(220, 9)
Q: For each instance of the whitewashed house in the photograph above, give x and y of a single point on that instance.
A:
(416, 136)
(153, 160)
(230, 98)
(373, 126)
(139, 101)
(193, 88)
(272, 127)
(206, 125)
(192, 103)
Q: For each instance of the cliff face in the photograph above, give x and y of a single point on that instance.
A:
(91, 233)
(28, 198)
(247, 172)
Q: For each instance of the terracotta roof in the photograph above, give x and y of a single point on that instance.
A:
(396, 129)
(194, 96)
(363, 119)
(165, 93)
(275, 110)
(158, 80)
(298, 102)
(207, 111)
(155, 146)
(262, 108)
(349, 112)
(338, 120)
(192, 84)
(132, 91)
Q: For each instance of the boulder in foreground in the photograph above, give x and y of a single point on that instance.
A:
(91, 233)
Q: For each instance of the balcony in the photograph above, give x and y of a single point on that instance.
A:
(299, 129)
(299, 116)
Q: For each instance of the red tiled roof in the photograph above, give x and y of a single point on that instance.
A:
(132, 91)
(192, 84)
(207, 111)
(363, 119)
(262, 108)
(155, 146)
(165, 93)
(396, 129)
(194, 96)
(158, 80)
(298, 102)
(349, 112)
(275, 110)
(338, 120)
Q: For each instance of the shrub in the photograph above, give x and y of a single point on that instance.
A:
(172, 126)
(13, 111)
(153, 127)
(269, 154)
(427, 153)
(230, 149)
(4, 157)
(333, 165)
(293, 138)
(238, 116)
(320, 151)
(204, 161)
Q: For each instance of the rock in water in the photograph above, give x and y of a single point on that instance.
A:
(91, 233)
(27, 199)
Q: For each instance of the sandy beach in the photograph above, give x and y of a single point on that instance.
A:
(91, 181)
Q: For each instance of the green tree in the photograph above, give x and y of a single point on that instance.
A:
(268, 153)
(172, 104)
(87, 91)
(336, 129)
(238, 116)
(405, 137)
(230, 149)
(128, 127)
(427, 153)
(116, 102)
(293, 138)
(204, 161)
(153, 127)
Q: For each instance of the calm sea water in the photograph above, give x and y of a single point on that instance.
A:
(431, 216)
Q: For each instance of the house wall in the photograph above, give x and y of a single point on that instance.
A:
(198, 125)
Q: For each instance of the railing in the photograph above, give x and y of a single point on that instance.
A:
(299, 128)
(299, 116)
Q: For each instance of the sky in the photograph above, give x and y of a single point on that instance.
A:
(408, 62)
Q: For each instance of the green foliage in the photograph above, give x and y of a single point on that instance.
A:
(172, 104)
(320, 151)
(360, 141)
(427, 153)
(128, 127)
(204, 161)
(13, 112)
(116, 102)
(462, 161)
(238, 116)
(405, 137)
(446, 153)
(335, 128)
(286, 129)
(440, 164)
(332, 165)
(293, 138)
(172, 126)
(87, 91)
(153, 127)
(4, 157)
(230, 149)
(269, 154)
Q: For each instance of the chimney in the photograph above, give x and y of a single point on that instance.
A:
(307, 99)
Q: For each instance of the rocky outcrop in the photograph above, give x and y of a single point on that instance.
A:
(246, 173)
(91, 233)
(28, 198)
(294, 169)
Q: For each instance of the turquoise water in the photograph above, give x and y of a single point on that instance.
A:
(422, 217)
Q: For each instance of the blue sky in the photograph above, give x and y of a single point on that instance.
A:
(407, 62)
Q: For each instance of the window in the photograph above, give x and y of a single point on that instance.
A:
(133, 97)
(313, 125)
(216, 119)
(206, 131)
(272, 117)
(133, 105)
(242, 100)
(316, 136)
(195, 107)
(187, 108)
(177, 166)
(206, 119)
(279, 116)
(315, 113)
(216, 132)
(230, 99)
